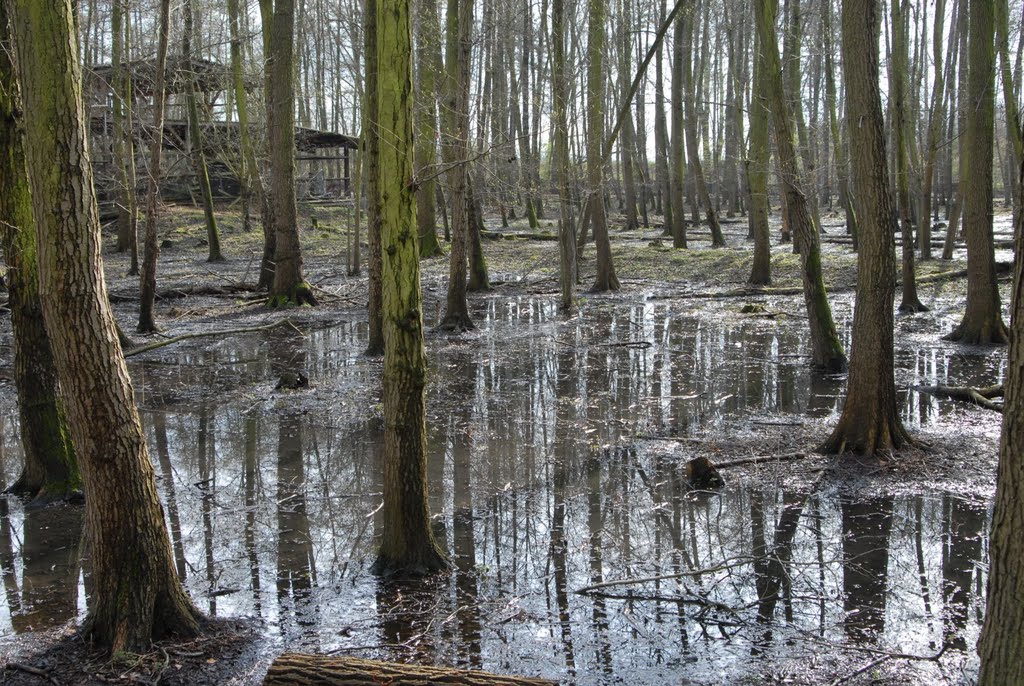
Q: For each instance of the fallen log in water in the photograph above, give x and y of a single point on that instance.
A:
(982, 397)
(303, 669)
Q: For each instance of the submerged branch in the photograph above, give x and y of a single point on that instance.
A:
(202, 334)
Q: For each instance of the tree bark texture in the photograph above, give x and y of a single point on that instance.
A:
(50, 470)
(677, 159)
(371, 148)
(870, 421)
(429, 69)
(136, 594)
(982, 323)
(289, 285)
(1000, 647)
(407, 544)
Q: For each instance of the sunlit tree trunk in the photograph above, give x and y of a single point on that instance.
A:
(826, 351)
(870, 422)
(407, 543)
(136, 595)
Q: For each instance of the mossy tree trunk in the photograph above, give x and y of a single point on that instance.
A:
(901, 142)
(560, 96)
(290, 286)
(606, 280)
(136, 595)
(151, 249)
(757, 177)
(50, 471)
(826, 351)
(1002, 660)
(455, 150)
(479, 280)
(982, 323)
(870, 422)
(407, 543)
(198, 155)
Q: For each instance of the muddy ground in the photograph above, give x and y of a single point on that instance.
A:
(535, 413)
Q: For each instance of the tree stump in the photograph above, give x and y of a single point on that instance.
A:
(302, 669)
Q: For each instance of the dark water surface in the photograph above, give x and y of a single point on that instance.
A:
(540, 490)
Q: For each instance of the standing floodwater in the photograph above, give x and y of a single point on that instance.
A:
(556, 466)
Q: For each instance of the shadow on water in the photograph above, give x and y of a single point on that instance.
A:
(577, 552)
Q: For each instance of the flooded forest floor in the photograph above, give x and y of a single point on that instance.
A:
(557, 452)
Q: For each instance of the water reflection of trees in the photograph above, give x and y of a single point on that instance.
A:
(537, 500)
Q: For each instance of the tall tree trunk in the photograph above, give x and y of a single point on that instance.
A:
(901, 129)
(605, 280)
(1002, 661)
(407, 543)
(757, 176)
(289, 287)
(826, 351)
(677, 161)
(136, 595)
(456, 153)
(560, 97)
(248, 176)
(151, 250)
(870, 422)
(692, 149)
(429, 69)
(983, 319)
(626, 146)
(196, 140)
(371, 150)
(924, 221)
(50, 470)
